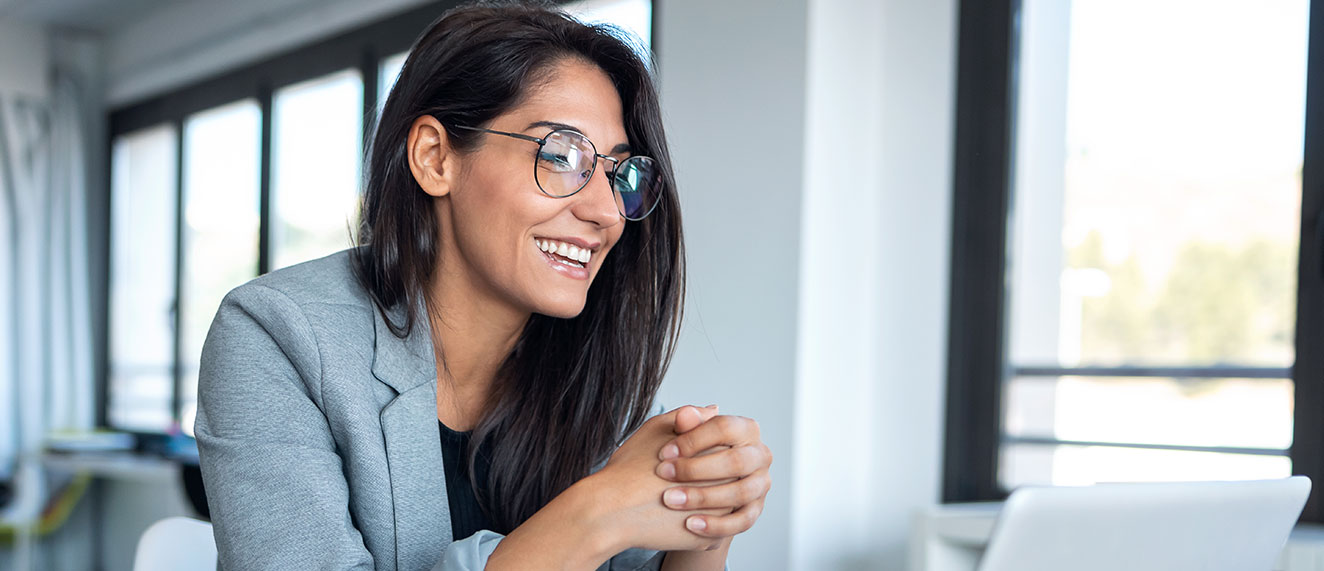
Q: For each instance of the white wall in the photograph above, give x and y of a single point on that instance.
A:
(819, 277)
(732, 79)
(840, 281)
(919, 86)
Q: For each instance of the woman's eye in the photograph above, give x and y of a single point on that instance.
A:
(555, 162)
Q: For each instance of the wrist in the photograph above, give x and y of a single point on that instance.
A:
(570, 532)
(590, 506)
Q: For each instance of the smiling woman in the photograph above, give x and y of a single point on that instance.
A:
(471, 387)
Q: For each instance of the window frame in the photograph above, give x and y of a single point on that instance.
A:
(988, 48)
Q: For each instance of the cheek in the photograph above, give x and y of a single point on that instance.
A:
(614, 239)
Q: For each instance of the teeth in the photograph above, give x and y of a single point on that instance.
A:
(564, 250)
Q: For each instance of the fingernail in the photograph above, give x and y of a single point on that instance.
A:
(674, 498)
(667, 470)
(712, 406)
(670, 451)
(696, 524)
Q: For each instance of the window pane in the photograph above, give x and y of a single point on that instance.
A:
(220, 224)
(142, 283)
(1155, 219)
(1069, 465)
(315, 167)
(386, 76)
(1243, 413)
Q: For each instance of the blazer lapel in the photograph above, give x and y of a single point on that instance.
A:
(413, 444)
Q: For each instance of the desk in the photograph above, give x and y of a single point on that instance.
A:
(129, 492)
(115, 465)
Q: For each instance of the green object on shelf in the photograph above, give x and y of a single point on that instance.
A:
(56, 512)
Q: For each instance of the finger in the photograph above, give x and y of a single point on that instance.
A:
(738, 521)
(731, 495)
(689, 417)
(685, 419)
(737, 462)
(721, 430)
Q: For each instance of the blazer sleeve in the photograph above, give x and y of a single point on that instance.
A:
(275, 486)
(470, 553)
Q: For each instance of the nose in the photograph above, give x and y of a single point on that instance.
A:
(596, 202)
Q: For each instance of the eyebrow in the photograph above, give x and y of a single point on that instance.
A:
(620, 149)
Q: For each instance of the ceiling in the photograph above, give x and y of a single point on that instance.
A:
(91, 15)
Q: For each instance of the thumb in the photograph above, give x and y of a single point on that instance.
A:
(690, 417)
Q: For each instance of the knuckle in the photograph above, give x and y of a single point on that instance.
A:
(753, 427)
(750, 490)
(750, 516)
(683, 469)
(751, 459)
(685, 443)
(695, 497)
(727, 424)
(734, 463)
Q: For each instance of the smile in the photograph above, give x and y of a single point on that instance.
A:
(567, 254)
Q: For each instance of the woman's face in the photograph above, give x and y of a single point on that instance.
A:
(496, 224)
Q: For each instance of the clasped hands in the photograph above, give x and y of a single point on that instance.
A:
(689, 479)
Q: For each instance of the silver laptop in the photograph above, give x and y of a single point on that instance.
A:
(1209, 526)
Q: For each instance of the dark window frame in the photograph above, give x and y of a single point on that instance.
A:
(363, 48)
(988, 44)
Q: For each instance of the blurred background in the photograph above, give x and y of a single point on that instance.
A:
(939, 249)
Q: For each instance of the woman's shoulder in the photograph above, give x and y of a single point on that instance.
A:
(322, 298)
(328, 280)
(302, 312)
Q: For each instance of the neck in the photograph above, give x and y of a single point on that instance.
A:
(472, 334)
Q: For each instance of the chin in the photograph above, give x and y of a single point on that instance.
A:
(566, 308)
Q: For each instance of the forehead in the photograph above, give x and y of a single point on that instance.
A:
(573, 93)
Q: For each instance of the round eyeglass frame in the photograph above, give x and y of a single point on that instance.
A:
(611, 174)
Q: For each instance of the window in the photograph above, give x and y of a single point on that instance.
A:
(220, 226)
(316, 160)
(220, 182)
(236, 176)
(142, 283)
(1128, 232)
(390, 71)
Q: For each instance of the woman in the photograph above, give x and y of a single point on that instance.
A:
(457, 392)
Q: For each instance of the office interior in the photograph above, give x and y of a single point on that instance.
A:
(939, 249)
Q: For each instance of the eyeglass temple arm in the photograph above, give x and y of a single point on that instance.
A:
(529, 138)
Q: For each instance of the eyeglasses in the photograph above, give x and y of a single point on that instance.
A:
(566, 161)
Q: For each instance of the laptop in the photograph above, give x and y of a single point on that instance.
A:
(1209, 526)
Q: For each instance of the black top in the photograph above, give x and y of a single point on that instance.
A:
(467, 516)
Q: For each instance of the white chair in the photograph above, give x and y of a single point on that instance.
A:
(176, 544)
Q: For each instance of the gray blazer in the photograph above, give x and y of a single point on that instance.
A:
(318, 434)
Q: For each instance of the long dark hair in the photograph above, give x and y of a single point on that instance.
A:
(571, 389)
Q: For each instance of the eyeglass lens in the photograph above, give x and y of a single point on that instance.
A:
(567, 160)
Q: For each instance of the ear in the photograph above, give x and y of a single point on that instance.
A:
(432, 160)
